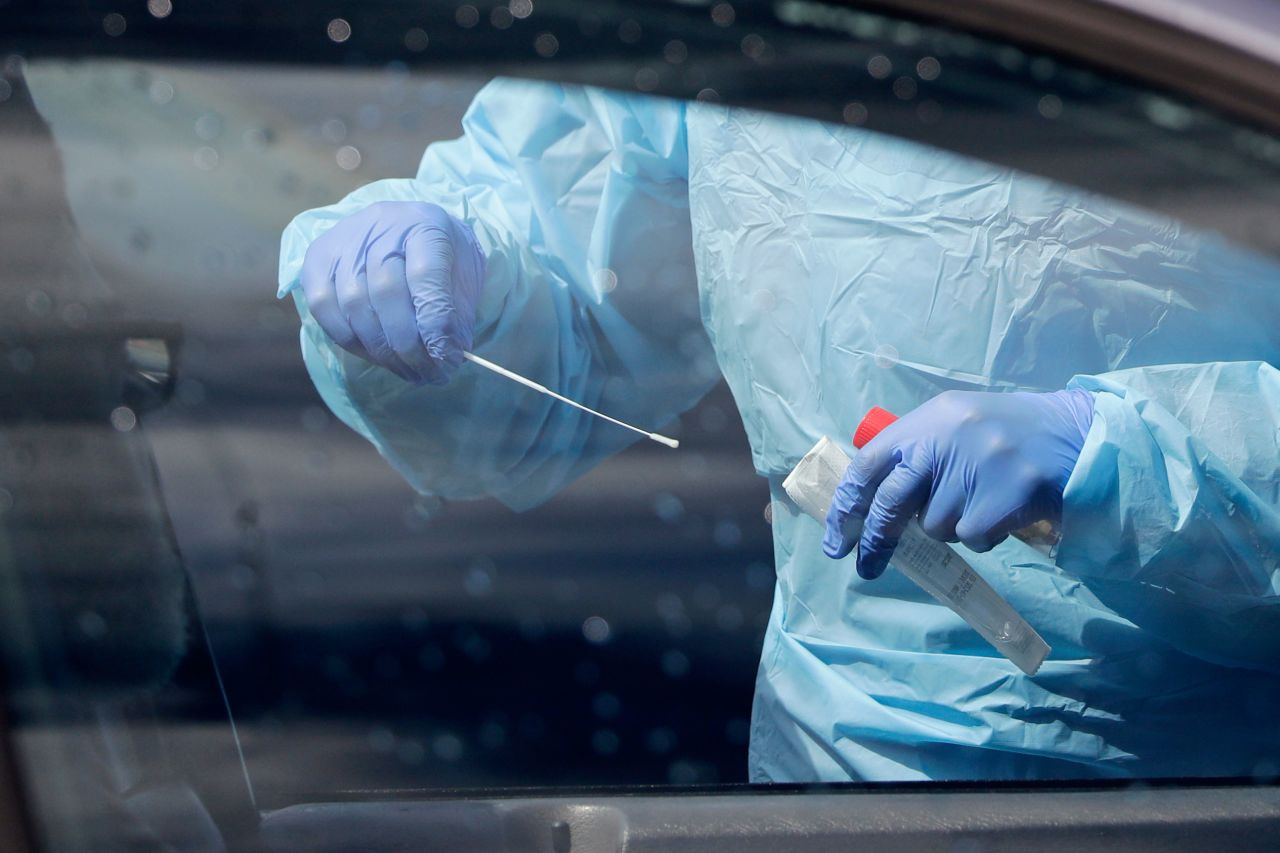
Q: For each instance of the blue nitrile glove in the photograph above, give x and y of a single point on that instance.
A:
(397, 283)
(973, 465)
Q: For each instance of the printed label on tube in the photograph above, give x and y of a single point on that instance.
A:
(933, 565)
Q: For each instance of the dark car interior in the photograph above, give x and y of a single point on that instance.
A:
(122, 691)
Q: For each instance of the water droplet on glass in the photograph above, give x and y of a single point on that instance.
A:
(668, 507)
(1050, 106)
(424, 508)
(707, 95)
(586, 672)
(546, 45)
(729, 617)
(675, 664)
(123, 419)
(257, 139)
(1151, 664)
(1010, 58)
(500, 18)
(410, 752)
(706, 595)
(1168, 114)
(140, 240)
(879, 66)
(1042, 68)
(334, 130)
(886, 356)
(160, 8)
(929, 112)
(478, 582)
(682, 773)
(761, 576)
(693, 465)
(727, 533)
(605, 742)
(521, 8)
(606, 280)
(565, 589)
(928, 68)
(646, 79)
(854, 112)
(114, 24)
(447, 747)
(416, 39)
(39, 303)
(205, 158)
(473, 644)
(531, 627)
(492, 735)
(22, 359)
(768, 513)
(712, 418)
(414, 619)
(189, 392)
(339, 30)
(606, 706)
(369, 117)
(675, 52)
(723, 14)
(596, 630)
(348, 158)
(467, 16)
(319, 460)
(904, 88)
(337, 668)
(753, 46)
(661, 740)
(669, 605)
(92, 625)
(906, 33)
(629, 31)
(160, 92)
(381, 739)
(242, 577)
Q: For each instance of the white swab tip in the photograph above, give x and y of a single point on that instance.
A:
(662, 439)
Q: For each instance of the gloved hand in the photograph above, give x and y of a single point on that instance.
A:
(398, 284)
(973, 465)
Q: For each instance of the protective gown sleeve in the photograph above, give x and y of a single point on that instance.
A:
(1171, 513)
(579, 198)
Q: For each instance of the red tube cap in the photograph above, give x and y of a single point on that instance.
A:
(872, 422)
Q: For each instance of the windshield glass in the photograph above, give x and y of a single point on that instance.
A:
(273, 509)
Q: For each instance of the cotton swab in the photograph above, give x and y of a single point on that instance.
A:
(542, 389)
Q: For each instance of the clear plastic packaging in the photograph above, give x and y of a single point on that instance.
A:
(933, 565)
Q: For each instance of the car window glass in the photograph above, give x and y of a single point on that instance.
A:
(383, 593)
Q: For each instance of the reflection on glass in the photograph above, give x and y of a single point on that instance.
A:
(412, 573)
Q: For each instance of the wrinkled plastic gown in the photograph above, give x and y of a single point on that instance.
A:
(837, 269)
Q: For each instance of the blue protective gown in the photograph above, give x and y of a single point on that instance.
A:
(639, 248)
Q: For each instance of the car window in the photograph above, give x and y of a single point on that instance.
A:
(233, 535)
